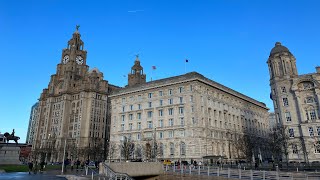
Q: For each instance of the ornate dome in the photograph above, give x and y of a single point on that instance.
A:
(278, 48)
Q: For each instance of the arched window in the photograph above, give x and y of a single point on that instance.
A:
(182, 148)
(317, 147)
(171, 149)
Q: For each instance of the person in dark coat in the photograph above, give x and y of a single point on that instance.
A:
(30, 165)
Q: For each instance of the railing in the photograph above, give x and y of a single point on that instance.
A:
(110, 174)
(241, 173)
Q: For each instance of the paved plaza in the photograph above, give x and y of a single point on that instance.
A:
(27, 176)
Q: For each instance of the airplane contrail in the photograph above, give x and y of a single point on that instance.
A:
(134, 11)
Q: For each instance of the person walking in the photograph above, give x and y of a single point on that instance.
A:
(30, 165)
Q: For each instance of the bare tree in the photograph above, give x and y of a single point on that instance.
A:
(127, 148)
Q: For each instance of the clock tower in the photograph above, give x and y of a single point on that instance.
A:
(73, 109)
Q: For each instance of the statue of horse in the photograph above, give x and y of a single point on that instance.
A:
(10, 137)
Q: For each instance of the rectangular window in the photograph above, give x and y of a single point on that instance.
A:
(181, 100)
(130, 126)
(291, 132)
(170, 122)
(294, 149)
(149, 114)
(170, 92)
(138, 136)
(160, 93)
(160, 123)
(149, 104)
(161, 135)
(139, 115)
(139, 125)
(283, 89)
(182, 121)
(130, 116)
(311, 131)
(122, 127)
(122, 118)
(131, 107)
(288, 116)
(170, 101)
(150, 124)
(191, 98)
(192, 109)
(318, 130)
(170, 111)
(139, 97)
(191, 88)
(123, 108)
(285, 102)
(180, 89)
(150, 95)
(313, 114)
(139, 106)
(181, 110)
(160, 112)
(193, 120)
(161, 102)
(123, 100)
(170, 134)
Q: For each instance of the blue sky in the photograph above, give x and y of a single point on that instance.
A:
(228, 41)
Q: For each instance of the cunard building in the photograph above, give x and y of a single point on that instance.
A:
(72, 110)
(296, 104)
(183, 117)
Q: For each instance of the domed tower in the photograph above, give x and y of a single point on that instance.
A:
(136, 76)
(282, 64)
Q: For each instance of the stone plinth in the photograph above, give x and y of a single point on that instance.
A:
(9, 154)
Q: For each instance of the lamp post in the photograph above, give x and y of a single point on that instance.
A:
(64, 154)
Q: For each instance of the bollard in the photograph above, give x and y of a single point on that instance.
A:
(199, 170)
(218, 171)
(174, 168)
(239, 173)
(189, 169)
(86, 170)
(264, 175)
(297, 169)
(92, 175)
(208, 170)
(251, 174)
(167, 167)
(228, 172)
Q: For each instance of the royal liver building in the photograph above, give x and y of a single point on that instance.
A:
(296, 104)
(72, 110)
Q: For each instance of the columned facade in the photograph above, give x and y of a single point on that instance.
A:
(296, 104)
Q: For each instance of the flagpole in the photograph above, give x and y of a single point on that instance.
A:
(151, 72)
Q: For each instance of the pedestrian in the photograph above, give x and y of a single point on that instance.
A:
(42, 165)
(78, 164)
(72, 164)
(30, 165)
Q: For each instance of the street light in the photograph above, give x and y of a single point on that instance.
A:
(64, 154)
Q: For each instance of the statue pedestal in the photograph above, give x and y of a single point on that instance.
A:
(9, 154)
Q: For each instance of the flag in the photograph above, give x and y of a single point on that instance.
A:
(187, 60)
(154, 67)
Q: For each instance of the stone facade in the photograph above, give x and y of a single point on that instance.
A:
(296, 104)
(185, 117)
(72, 111)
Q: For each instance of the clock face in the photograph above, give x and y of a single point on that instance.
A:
(65, 59)
(79, 60)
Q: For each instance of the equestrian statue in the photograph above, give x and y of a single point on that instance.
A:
(11, 137)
